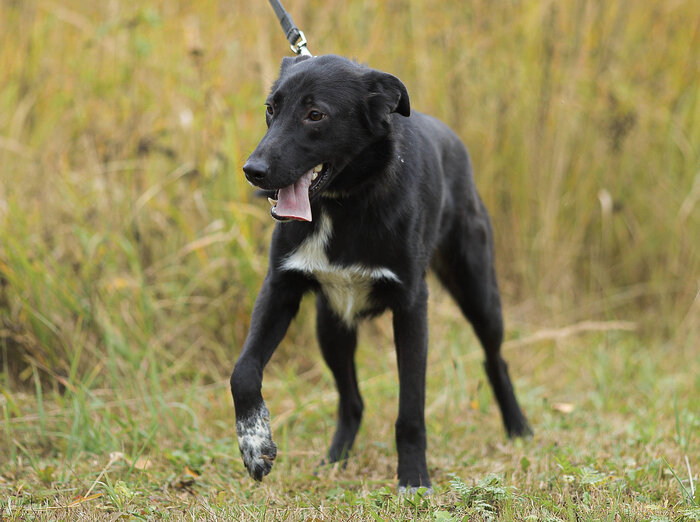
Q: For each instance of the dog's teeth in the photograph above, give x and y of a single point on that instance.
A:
(273, 202)
(318, 168)
(314, 176)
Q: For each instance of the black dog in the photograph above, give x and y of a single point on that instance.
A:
(368, 198)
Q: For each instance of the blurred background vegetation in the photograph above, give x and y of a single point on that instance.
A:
(131, 247)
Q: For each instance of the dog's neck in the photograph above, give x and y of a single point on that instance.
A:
(368, 169)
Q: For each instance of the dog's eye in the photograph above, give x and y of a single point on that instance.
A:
(270, 110)
(315, 115)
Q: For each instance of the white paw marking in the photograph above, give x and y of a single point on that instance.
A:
(255, 442)
(347, 288)
(412, 490)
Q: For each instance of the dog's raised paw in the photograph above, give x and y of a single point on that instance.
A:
(255, 442)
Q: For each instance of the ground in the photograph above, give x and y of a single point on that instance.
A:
(615, 417)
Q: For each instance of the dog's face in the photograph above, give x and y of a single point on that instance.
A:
(321, 114)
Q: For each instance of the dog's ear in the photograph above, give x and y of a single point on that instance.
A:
(387, 94)
(289, 61)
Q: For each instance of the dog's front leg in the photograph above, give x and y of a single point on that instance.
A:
(275, 307)
(411, 338)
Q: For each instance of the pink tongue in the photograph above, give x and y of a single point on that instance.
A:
(293, 201)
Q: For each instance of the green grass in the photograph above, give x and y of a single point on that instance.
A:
(131, 250)
(615, 420)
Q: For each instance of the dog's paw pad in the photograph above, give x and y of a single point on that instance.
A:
(255, 443)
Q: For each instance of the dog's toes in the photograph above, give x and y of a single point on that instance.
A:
(328, 463)
(412, 490)
(260, 463)
(522, 430)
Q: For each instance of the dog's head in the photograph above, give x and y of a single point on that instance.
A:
(321, 114)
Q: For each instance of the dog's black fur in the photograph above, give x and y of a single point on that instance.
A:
(395, 197)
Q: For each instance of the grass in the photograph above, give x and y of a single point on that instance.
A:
(616, 421)
(131, 250)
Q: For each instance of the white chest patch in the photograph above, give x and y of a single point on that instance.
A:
(347, 288)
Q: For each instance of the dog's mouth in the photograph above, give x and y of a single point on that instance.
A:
(294, 201)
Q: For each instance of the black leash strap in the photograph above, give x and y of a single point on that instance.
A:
(296, 38)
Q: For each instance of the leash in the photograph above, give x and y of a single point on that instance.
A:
(297, 40)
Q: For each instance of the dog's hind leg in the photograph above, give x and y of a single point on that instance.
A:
(464, 264)
(338, 342)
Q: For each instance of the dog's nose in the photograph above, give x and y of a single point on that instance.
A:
(256, 170)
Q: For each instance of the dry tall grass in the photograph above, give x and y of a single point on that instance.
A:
(126, 226)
